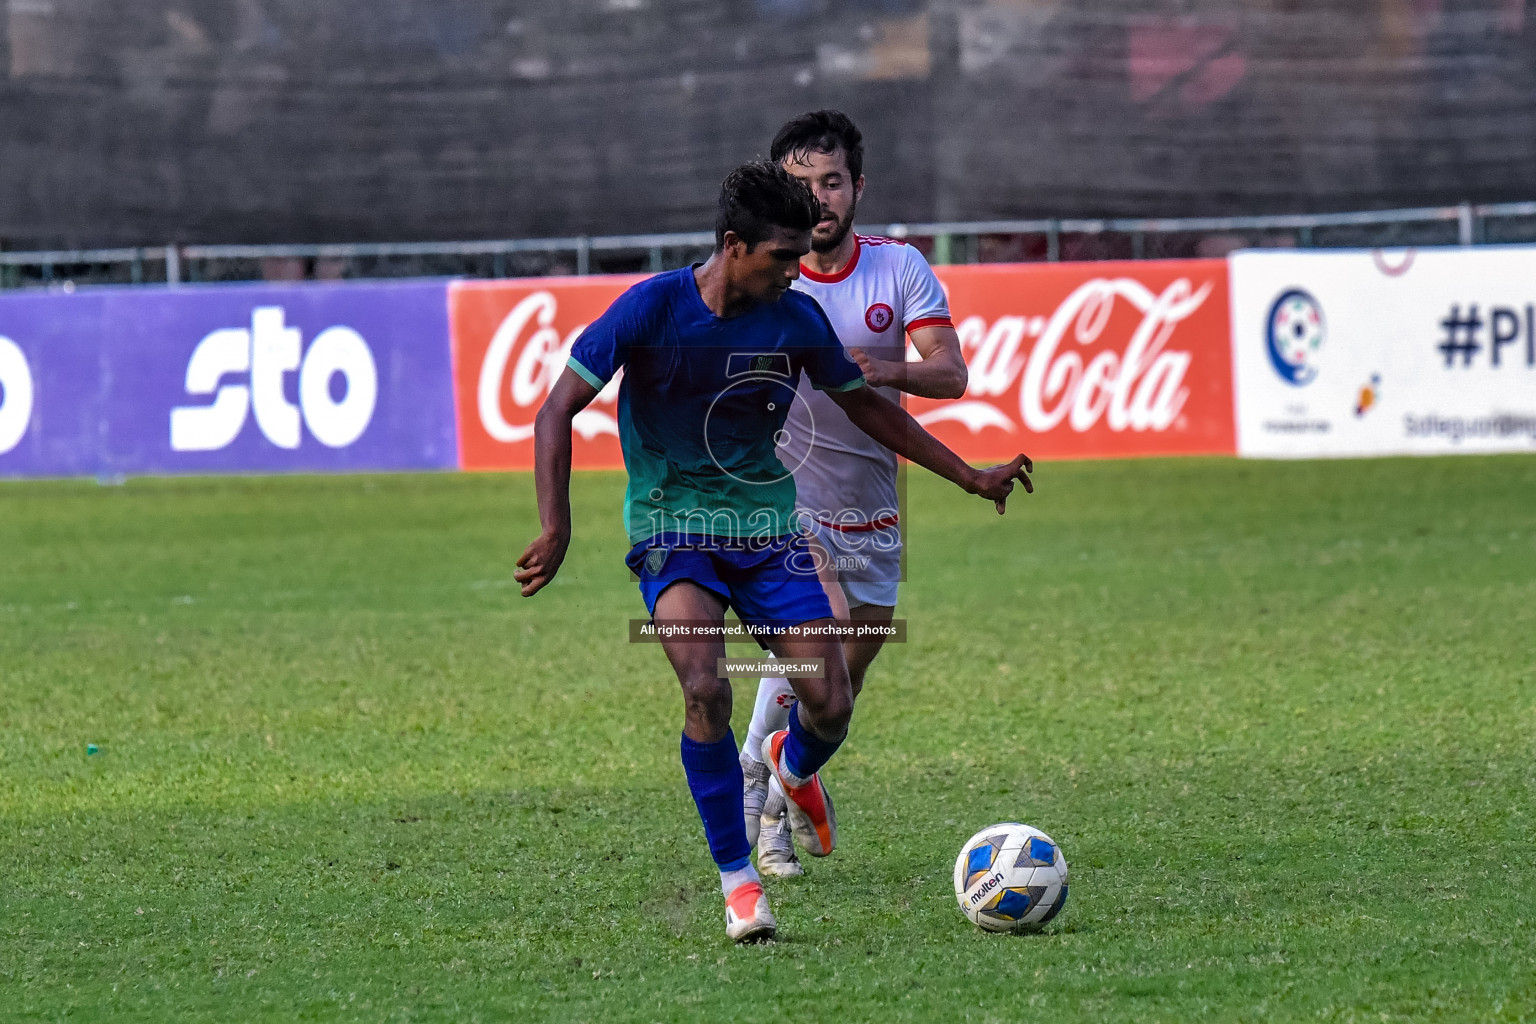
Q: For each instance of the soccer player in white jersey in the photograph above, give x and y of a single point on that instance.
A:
(877, 292)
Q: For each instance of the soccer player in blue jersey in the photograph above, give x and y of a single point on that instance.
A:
(711, 357)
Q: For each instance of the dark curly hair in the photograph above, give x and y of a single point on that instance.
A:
(759, 196)
(820, 131)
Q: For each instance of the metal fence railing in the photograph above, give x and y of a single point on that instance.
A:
(1002, 241)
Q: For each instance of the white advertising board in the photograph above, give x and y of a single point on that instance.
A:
(1429, 351)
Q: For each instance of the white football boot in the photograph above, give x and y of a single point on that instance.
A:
(755, 776)
(776, 847)
(747, 917)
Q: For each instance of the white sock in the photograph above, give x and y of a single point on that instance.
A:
(770, 713)
(791, 779)
(730, 881)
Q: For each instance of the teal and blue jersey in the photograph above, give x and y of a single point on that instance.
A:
(703, 404)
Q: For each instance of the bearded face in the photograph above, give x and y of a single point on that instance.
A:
(833, 227)
(838, 192)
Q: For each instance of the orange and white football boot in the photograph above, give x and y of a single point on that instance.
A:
(810, 806)
(747, 917)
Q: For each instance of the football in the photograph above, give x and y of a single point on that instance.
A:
(1010, 878)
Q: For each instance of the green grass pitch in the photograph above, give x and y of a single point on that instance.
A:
(1281, 717)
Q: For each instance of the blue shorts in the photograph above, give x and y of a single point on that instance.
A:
(769, 583)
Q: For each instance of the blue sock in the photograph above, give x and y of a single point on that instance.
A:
(714, 778)
(804, 751)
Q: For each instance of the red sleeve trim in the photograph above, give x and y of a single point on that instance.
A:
(883, 523)
(930, 321)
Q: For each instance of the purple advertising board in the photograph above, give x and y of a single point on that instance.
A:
(50, 385)
(237, 378)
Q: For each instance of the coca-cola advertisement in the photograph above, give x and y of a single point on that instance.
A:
(1089, 360)
(1084, 360)
(510, 342)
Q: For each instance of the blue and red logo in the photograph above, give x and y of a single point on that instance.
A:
(1295, 334)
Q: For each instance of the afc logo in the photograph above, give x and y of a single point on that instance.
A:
(879, 317)
(1295, 334)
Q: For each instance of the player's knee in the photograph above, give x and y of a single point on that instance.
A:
(706, 697)
(838, 712)
(830, 708)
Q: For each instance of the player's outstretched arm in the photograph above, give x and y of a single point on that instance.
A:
(552, 478)
(889, 423)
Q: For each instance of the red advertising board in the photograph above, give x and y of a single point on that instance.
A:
(510, 341)
(1067, 360)
(1089, 360)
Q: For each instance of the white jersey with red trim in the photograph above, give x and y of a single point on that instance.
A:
(886, 290)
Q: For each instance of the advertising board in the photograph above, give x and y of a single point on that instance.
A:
(51, 379)
(228, 379)
(1066, 361)
(1089, 360)
(1382, 353)
(1268, 354)
(510, 341)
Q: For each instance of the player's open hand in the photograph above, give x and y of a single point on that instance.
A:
(997, 482)
(540, 562)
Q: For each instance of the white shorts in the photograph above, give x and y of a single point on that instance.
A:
(868, 561)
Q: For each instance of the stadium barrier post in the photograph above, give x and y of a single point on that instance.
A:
(172, 265)
(942, 252)
(1464, 223)
(583, 256)
(1053, 242)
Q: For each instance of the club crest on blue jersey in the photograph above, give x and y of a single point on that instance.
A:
(654, 560)
(759, 364)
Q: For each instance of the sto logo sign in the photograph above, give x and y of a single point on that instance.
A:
(268, 352)
(16, 394)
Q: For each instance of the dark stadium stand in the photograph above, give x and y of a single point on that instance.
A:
(139, 122)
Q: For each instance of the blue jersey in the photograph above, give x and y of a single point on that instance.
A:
(703, 403)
